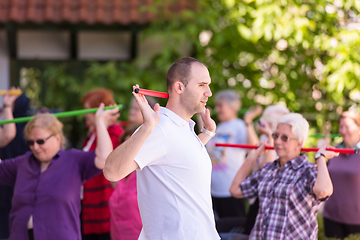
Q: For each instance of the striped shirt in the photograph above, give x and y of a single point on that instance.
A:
(95, 212)
(288, 206)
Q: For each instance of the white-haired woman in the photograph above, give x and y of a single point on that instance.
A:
(289, 189)
(226, 161)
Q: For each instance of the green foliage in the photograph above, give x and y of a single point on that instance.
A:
(301, 53)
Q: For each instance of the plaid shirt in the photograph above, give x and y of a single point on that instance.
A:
(288, 206)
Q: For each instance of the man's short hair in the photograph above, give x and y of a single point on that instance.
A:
(180, 71)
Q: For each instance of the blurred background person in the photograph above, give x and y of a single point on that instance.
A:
(266, 126)
(226, 161)
(8, 131)
(48, 179)
(15, 148)
(342, 210)
(95, 214)
(125, 215)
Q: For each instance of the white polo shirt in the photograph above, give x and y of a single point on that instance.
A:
(174, 183)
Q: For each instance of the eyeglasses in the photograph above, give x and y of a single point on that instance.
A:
(283, 137)
(38, 141)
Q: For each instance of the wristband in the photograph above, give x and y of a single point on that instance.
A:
(7, 105)
(207, 132)
(317, 155)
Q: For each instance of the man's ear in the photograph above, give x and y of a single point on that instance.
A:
(178, 87)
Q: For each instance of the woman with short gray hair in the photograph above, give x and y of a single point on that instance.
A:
(290, 189)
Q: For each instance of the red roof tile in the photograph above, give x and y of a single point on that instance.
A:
(88, 11)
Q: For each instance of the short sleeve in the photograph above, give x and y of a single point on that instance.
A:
(310, 178)
(8, 170)
(241, 133)
(153, 150)
(249, 187)
(86, 163)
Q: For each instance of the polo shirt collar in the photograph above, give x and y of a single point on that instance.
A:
(57, 155)
(295, 163)
(298, 162)
(176, 118)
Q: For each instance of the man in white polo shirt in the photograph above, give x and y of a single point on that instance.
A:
(173, 167)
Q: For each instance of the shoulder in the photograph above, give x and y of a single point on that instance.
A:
(308, 169)
(165, 125)
(270, 165)
(240, 121)
(236, 122)
(20, 158)
(240, 124)
(78, 157)
(164, 119)
(76, 154)
(24, 156)
(71, 151)
(157, 135)
(306, 163)
(19, 161)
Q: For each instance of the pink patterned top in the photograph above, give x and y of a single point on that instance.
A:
(125, 215)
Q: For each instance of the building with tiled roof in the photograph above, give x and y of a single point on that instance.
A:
(32, 31)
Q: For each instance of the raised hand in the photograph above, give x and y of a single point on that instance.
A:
(10, 99)
(264, 128)
(328, 154)
(151, 117)
(252, 113)
(208, 122)
(256, 153)
(107, 116)
(112, 118)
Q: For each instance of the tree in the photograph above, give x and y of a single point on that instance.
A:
(303, 53)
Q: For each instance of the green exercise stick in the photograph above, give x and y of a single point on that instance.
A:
(323, 136)
(62, 114)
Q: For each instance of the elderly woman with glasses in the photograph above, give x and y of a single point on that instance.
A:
(290, 189)
(47, 179)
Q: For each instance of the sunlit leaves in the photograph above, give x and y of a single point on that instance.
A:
(267, 50)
